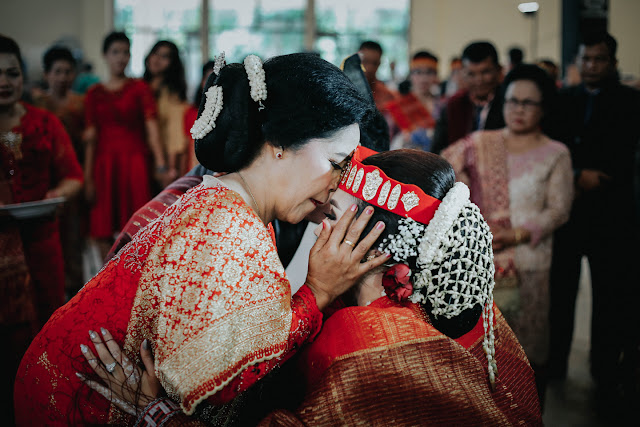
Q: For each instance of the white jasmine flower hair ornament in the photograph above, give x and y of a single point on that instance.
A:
(255, 72)
(207, 120)
(219, 63)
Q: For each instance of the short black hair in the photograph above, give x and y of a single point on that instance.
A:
(543, 82)
(57, 53)
(479, 51)
(9, 45)
(371, 45)
(308, 98)
(112, 37)
(424, 54)
(515, 56)
(593, 38)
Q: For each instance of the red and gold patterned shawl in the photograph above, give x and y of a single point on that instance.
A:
(409, 113)
(199, 285)
(480, 161)
(385, 365)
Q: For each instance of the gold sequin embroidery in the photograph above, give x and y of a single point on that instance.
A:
(394, 198)
(410, 200)
(371, 185)
(358, 180)
(384, 193)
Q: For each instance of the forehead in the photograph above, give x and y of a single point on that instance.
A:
(599, 49)
(370, 53)
(163, 51)
(485, 64)
(344, 141)
(118, 45)
(341, 200)
(523, 89)
(9, 60)
(61, 63)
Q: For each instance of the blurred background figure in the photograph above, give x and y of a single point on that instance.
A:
(600, 126)
(552, 69)
(122, 145)
(59, 74)
(455, 80)
(523, 183)
(85, 79)
(413, 115)
(164, 73)
(370, 56)
(479, 105)
(516, 57)
(37, 162)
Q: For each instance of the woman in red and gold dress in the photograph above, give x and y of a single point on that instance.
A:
(203, 283)
(123, 145)
(37, 162)
(420, 343)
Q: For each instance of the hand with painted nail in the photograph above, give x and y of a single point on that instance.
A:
(335, 261)
(124, 383)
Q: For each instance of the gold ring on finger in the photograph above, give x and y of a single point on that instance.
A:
(350, 243)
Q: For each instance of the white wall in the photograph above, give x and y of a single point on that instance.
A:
(624, 26)
(445, 27)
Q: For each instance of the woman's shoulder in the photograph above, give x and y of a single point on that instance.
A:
(36, 116)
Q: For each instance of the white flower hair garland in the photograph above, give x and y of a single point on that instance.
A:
(219, 63)
(207, 120)
(404, 244)
(255, 72)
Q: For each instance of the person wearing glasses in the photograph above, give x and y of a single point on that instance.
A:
(413, 116)
(523, 183)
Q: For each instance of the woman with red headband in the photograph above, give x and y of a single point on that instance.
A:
(420, 341)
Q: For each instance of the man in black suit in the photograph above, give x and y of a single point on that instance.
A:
(477, 107)
(600, 123)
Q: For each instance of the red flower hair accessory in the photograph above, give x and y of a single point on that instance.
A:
(368, 183)
(397, 282)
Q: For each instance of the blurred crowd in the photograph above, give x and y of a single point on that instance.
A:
(551, 163)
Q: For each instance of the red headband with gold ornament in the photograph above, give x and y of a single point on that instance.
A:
(369, 183)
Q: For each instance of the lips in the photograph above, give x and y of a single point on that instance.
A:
(316, 202)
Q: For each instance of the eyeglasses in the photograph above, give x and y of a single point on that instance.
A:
(526, 104)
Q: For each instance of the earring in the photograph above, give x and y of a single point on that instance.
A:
(279, 155)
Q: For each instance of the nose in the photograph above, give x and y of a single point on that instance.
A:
(335, 180)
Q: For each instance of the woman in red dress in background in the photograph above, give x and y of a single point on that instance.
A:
(37, 162)
(122, 139)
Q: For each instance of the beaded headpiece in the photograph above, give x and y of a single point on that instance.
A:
(450, 240)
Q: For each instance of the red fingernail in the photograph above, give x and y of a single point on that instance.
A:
(387, 255)
(379, 225)
(324, 224)
(369, 210)
(354, 208)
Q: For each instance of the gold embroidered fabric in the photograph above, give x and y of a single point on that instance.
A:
(218, 293)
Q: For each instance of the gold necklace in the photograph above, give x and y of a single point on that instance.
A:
(250, 193)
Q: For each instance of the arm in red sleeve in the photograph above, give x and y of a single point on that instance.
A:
(305, 325)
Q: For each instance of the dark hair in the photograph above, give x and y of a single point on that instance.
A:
(515, 56)
(112, 37)
(425, 54)
(8, 45)
(197, 97)
(540, 78)
(435, 176)
(479, 51)
(173, 77)
(57, 53)
(374, 131)
(371, 45)
(596, 37)
(307, 97)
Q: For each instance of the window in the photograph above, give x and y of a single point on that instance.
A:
(266, 28)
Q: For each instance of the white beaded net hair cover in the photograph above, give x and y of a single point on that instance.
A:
(456, 269)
